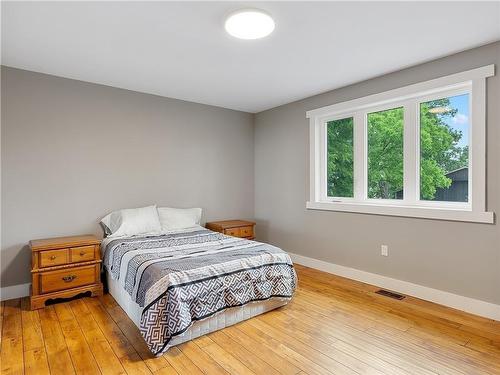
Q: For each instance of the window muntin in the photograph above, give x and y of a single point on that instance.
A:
(339, 158)
(444, 129)
(385, 131)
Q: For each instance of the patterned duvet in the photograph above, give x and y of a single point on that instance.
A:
(183, 277)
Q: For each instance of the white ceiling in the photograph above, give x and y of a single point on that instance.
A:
(181, 50)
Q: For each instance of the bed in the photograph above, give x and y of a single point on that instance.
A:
(186, 283)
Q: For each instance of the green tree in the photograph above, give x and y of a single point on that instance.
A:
(340, 158)
(440, 152)
(439, 149)
(385, 153)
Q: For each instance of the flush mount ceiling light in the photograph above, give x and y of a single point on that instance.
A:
(440, 110)
(249, 24)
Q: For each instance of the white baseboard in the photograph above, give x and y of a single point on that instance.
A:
(14, 291)
(473, 306)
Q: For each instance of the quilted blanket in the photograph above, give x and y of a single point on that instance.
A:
(182, 277)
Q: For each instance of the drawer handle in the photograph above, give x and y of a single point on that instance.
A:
(52, 257)
(82, 253)
(68, 279)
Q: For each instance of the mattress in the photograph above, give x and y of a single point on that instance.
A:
(202, 327)
(173, 282)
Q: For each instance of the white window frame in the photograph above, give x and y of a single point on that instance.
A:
(471, 82)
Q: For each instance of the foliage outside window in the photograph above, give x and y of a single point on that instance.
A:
(444, 149)
(340, 167)
(385, 154)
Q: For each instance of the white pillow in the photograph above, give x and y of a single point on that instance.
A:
(132, 221)
(178, 218)
(111, 222)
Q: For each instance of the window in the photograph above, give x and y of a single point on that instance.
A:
(444, 149)
(340, 167)
(385, 154)
(417, 151)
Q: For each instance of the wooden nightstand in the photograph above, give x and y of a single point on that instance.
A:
(236, 228)
(64, 267)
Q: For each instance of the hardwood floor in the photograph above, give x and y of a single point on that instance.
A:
(332, 326)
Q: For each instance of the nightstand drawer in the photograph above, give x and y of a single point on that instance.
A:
(50, 258)
(235, 228)
(246, 231)
(82, 254)
(235, 232)
(53, 281)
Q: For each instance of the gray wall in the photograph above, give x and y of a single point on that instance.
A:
(462, 258)
(73, 151)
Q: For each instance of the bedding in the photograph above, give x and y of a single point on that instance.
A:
(132, 221)
(189, 275)
(178, 218)
(199, 328)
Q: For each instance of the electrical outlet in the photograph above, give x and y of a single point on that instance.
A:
(384, 250)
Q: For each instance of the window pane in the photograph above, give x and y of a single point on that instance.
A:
(385, 154)
(444, 149)
(340, 158)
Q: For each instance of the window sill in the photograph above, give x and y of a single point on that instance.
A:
(405, 211)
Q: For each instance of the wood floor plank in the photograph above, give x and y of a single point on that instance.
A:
(307, 350)
(181, 363)
(395, 356)
(344, 335)
(332, 326)
(448, 354)
(1, 323)
(303, 362)
(106, 323)
(244, 355)
(35, 362)
(319, 341)
(32, 329)
(133, 335)
(167, 370)
(434, 327)
(201, 359)
(203, 341)
(398, 356)
(413, 313)
(104, 355)
(279, 363)
(354, 304)
(334, 285)
(226, 360)
(12, 359)
(55, 345)
(12, 306)
(35, 357)
(128, 356)
(352, 346)
(81, 355)
(480, 326)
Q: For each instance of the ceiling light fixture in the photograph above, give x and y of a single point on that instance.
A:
(249, 24)
(440, 110)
